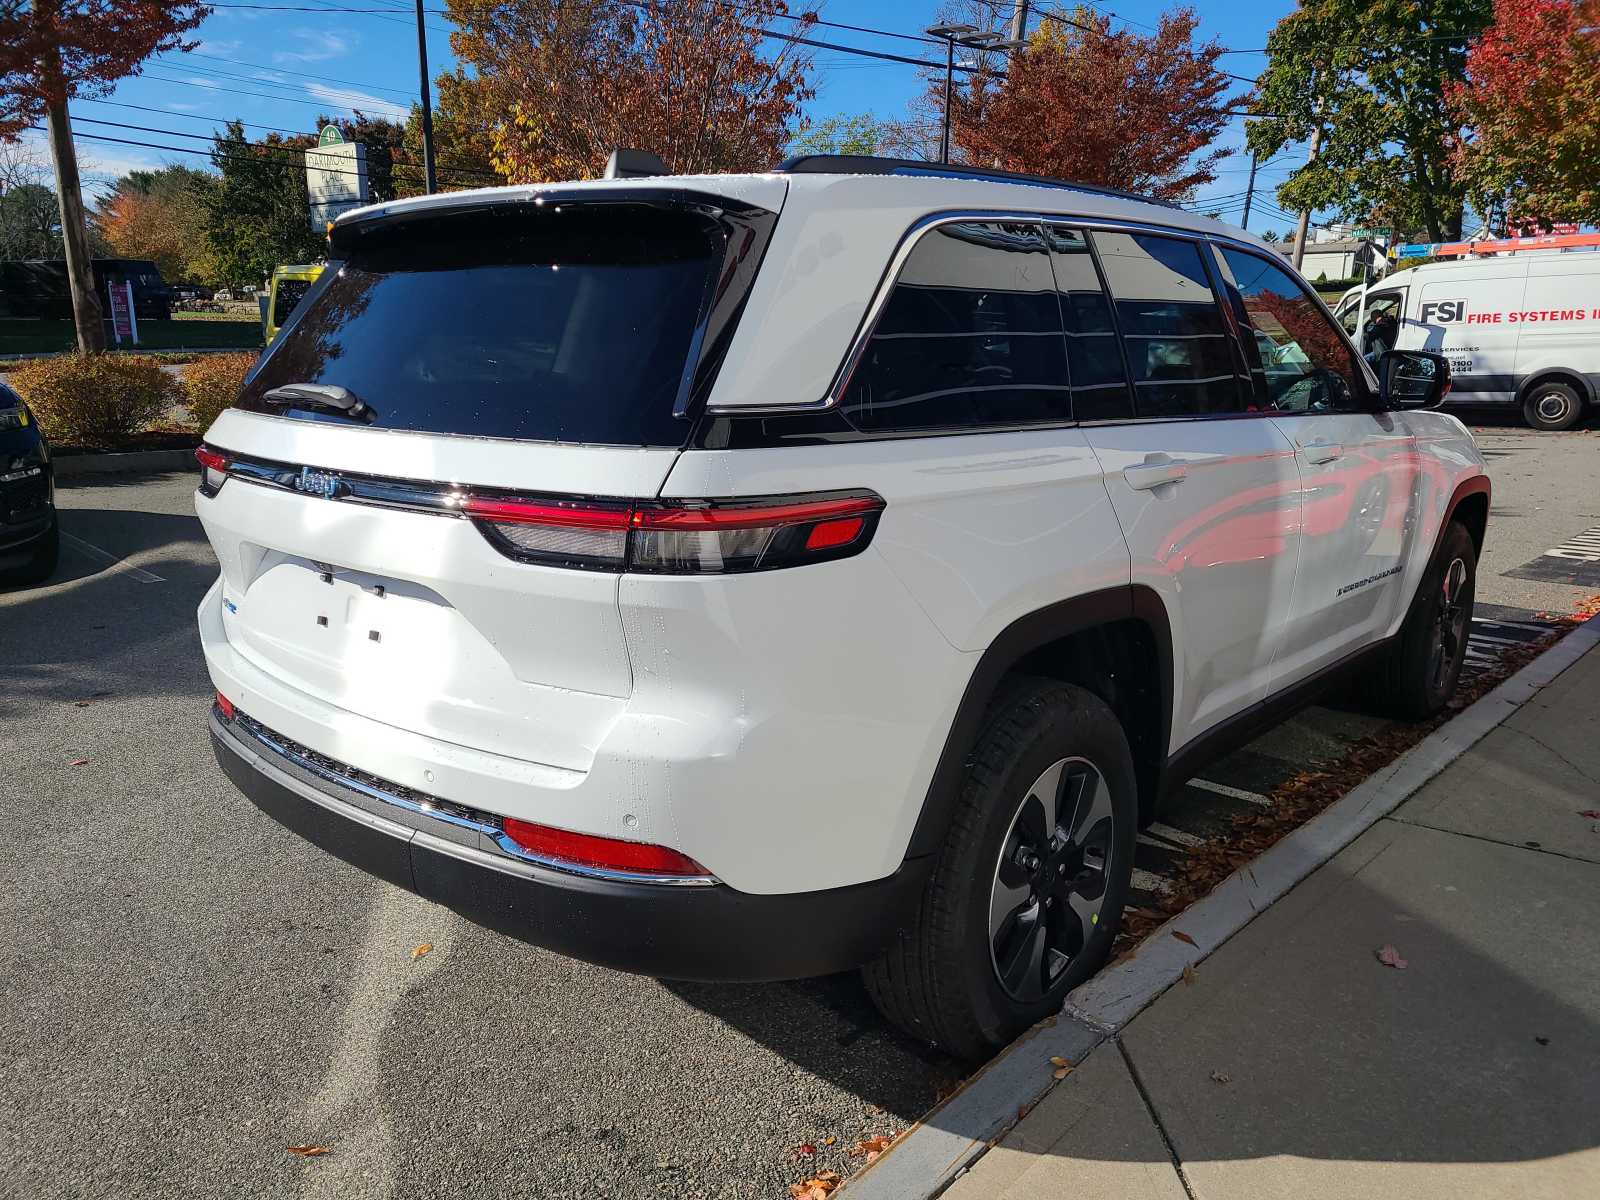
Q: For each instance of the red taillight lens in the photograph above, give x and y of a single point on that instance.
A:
(213, 468)
(225, 707)
(587, 850)
(721, 537)
(563, 533)
(679, 537)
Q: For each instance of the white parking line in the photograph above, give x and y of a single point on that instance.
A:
(118, 565)
(1165, 836)
(1494, 641)
(1533, 626)
(1144, 881)
(1222, 789)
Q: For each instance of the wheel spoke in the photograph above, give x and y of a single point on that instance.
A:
(1022, 962)
(1005, 902)
(1047, 790)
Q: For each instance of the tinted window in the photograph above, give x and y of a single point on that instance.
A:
(1094, 359)
(573, 324)
(1180, 351)
(289, 294)
(970, 336)
(1300, 361)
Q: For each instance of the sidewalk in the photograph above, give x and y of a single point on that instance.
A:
(1297, 1065)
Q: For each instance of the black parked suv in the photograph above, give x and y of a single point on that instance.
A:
(30, 536)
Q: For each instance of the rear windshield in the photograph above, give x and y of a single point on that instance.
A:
(573, 324)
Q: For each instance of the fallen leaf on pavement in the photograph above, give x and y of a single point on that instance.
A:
(78, 762)
(819, 1187)
(1221, 1077)
(1057, 1061)
(1185, 938)
(872, 1146)
(1592, 813)
(805, 1148)
(1062, 1072)
(828, 1141)
(308, 1151)
(1390, 957)
(1190, 974)
(422, 949)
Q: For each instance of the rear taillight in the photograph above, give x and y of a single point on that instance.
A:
(213, 469)
(680, 537)
(225, 707)
(610, 854)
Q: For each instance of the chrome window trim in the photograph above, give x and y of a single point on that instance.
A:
(909, 240)
(242, 728)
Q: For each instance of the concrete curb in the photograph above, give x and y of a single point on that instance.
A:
(68, 466)
(951, 1137)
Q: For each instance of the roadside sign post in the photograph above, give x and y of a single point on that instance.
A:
(124, 324)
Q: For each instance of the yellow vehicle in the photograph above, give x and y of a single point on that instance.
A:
(288, 287)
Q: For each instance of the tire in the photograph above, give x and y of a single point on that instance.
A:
(1420, 675)
(1000, 937)
(41, 562)
(1552, 407)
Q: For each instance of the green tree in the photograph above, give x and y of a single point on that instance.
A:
(1370, 78)
(463, 141)
(257, 216)
(862, 133)
(159, 215)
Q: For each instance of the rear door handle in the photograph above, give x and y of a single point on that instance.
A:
(1320, 452)
(1153, 474)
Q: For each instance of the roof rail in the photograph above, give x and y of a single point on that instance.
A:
(869, 164)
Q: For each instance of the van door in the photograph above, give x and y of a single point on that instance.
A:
(1472, 317)
(1206, 489)
(1357, 467)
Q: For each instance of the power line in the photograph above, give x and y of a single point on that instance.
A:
(235, 91)
(239, 62)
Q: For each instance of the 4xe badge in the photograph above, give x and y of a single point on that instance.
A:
(317, 483)
(1442, 312)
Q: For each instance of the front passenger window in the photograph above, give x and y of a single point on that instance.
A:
(1297, 355)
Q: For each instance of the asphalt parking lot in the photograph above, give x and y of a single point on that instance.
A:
(189, 989)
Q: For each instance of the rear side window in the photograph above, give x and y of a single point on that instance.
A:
(286, 297)
(576, 323)
(970, 337)
(1180, 352)
(1297, 355)
(1094, 359)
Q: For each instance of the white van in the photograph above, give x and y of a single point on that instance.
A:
(1517, 329)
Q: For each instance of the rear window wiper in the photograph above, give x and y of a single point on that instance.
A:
(326, 397)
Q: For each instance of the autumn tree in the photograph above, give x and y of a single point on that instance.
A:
(565, 82)
(1119, 109)
(463, 150)
(52, 51)
(1530, 105)
(258, 215)
(159, 215)
(1369, 81)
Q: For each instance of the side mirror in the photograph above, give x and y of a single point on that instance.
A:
(1413, 378)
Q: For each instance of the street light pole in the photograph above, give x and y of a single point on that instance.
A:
(427, 106)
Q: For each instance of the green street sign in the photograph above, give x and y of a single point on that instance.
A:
(330, 136)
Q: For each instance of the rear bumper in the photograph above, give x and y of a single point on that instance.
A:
(712, 933)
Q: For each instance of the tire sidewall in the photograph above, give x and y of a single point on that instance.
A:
(1571, 415)
(1457, 544)
(1084, 727)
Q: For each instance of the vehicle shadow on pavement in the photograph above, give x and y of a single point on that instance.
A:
(1470, 1072)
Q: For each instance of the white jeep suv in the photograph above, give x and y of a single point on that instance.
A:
(751, 577)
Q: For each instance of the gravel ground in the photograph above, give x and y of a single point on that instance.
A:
(189, 991)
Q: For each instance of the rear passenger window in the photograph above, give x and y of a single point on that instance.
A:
(1297, 354)
(1180, 352)
(1094, 359)
(970, 336)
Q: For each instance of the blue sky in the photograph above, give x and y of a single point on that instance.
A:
(280, 68)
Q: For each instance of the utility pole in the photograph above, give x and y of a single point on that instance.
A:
(949, 81)
(74, 238)
(427, 105)
(1019, 22)
(1249, 192)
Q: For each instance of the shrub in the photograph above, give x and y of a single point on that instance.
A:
(212, 382)
(95, 399)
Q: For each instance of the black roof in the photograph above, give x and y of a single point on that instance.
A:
(869, 164)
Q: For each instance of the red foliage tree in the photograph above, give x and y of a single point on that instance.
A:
(1531, 105)
(1116, 109)
(53, 50)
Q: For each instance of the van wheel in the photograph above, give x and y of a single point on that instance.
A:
(1553, 407)
(1420, 674)
(1027, 892)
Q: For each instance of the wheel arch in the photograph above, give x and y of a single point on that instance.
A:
(1575, 379)
(1116, 642)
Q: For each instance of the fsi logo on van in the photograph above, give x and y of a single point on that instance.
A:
(1442, 312)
